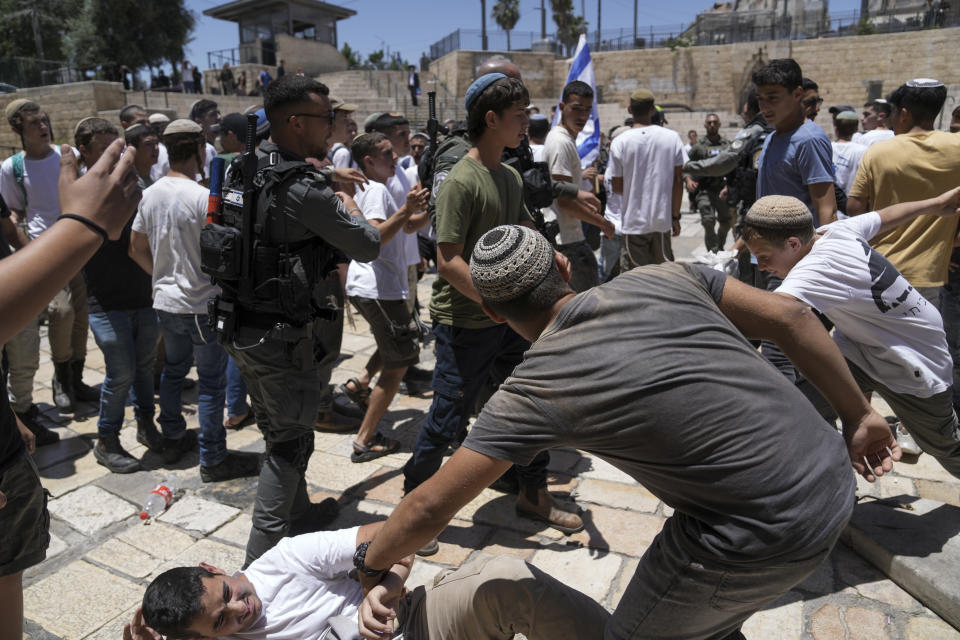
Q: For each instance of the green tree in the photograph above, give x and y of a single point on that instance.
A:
(111, 33)
(354, 61)
(35, 28)
(507, 13)
(569, 25)
(376, 60)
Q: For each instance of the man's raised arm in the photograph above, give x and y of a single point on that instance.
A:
(793, 326)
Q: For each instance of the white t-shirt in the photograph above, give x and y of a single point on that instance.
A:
(399, 186)
(340, 157)
(162, 166)
(211, 154)
(883, 324)
(537, 150)
(302, 582)
(846, 161)
(560, 154)
(40, 180)
(386, 277)
(612, 212)
(171, 215)
(869, 137)
(646, 157)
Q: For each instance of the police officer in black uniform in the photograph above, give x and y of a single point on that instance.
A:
(741, 164)
(303, 230)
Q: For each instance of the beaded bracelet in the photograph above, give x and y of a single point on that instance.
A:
(90, 223)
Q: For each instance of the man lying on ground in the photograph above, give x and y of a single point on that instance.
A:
(891, 336)
(301, 590)
(652, 373)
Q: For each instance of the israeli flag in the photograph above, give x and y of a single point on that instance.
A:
(588, 141)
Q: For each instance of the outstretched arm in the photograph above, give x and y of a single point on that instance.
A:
(106, 196)
(797, 331)
(946, 204)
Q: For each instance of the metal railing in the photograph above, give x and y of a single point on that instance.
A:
(718, 28)
(24, 72)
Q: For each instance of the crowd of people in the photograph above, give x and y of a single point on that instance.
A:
(560, 318)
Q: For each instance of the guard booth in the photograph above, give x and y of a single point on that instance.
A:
(296, 31)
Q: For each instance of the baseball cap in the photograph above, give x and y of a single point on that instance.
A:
(336, 104)
(235, 122)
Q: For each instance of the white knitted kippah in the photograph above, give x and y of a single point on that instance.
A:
(508, 261)
(778, 212)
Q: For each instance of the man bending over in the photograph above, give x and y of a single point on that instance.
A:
(652, 372)
(891, 336)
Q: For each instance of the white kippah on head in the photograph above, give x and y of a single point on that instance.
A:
(778, 212)
(508, 261)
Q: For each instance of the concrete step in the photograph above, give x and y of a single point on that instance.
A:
(914, 542)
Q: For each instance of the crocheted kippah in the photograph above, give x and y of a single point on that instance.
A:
(778, 212)
(508, 261)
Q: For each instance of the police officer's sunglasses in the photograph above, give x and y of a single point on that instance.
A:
(328, 116)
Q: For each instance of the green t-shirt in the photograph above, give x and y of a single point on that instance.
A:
(470, 201)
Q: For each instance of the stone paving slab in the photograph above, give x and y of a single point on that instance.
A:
(90, 509)
(913, 544)
(79, 599)
(196, 514)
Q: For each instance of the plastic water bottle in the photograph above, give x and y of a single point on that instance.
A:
(159, 499)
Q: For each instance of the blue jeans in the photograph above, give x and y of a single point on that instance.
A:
(467, 359)
(128, 340)
(236, 391)
(186, 335)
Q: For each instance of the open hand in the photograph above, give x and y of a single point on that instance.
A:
(590, 173)
(350, 175)
(588, 202)
(417, 199)
(107, 194)
(872, 446)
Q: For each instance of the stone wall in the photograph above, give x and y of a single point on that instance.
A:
(66, 104)
(717, 77)
(312, 56)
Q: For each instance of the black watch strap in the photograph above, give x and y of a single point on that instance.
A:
(359, 558)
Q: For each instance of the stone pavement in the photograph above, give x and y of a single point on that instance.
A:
(102, 556)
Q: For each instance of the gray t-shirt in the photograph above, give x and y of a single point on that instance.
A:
(647, 373)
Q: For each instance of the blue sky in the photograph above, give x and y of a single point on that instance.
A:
(411, 26)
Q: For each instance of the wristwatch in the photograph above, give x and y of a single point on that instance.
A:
(358, 561)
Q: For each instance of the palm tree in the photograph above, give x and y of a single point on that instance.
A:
(507, 13)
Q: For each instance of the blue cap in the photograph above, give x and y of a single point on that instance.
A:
(263, 125)
(478, 86)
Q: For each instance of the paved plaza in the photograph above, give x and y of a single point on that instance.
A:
(102, 556)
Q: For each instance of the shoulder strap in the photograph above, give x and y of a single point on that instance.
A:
(18, 173)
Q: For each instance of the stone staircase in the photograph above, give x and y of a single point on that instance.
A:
(377, 91)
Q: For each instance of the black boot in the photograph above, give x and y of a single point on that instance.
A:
(148, 435)
(63, 395)
(82, 392)
(111, 454)
(31, 420)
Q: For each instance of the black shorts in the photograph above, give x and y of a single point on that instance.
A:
(393, 328)
(25, 521)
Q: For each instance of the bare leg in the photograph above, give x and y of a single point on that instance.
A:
(380, 398)
(372, 368)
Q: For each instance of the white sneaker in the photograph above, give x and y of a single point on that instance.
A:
(907, 443)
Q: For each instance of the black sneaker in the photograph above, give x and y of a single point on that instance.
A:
(418, 375)
(113, 456)
(148, 436)
(235, 465)
(173, 449)
(317, 518)
(31, 420)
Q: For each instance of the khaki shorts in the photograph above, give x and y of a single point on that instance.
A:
(393, 328)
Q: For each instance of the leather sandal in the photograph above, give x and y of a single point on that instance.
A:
(360, 397)
(381, 446)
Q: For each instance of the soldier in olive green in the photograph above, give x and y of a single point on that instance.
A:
(715, 213)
